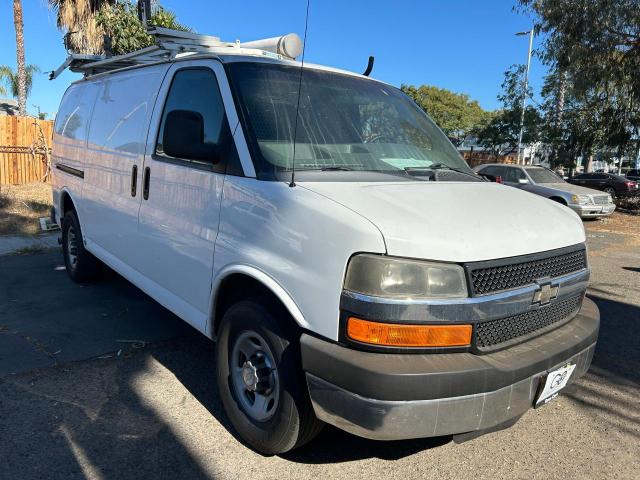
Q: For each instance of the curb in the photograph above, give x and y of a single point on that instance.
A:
(24, 244)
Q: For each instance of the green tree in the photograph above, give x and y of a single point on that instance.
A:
(86, 22)
(592, 94)
(589, 123)
(600, 39)
(120, 22)
(11, 78)
(455, 113)
(501, 132)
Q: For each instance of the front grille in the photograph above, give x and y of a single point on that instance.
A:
(494, 332)
(601, 199)
(504, 277)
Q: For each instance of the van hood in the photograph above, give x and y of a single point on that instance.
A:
(457, 222)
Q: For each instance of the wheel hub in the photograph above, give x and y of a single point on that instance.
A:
(254, 377)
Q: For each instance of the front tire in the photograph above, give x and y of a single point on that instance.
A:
(81, 266)
(260, 379)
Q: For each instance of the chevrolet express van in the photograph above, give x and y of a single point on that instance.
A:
(315, 223)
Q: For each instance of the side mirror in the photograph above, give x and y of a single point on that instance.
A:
(523, 181)
(183, 137)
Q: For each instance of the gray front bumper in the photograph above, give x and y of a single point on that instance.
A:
(592, 211)
(394, 420)
(388, 396)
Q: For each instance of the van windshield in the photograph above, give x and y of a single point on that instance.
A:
(345, 123)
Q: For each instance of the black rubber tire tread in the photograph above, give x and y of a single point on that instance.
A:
(88, 268)
(295, 422)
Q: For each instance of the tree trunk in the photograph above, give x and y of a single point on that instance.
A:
(588, 164)
(22, 74)
(559, 112)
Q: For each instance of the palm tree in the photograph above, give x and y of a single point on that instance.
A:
(77, 17)
(11, 78)
(22, 74)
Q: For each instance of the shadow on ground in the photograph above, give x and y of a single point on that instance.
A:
(611, 388)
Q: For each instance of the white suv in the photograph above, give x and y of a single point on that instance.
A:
(362, 275)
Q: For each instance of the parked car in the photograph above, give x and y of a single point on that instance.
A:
(545, 182)
(633, 175)
(614, 185)
(358, 273)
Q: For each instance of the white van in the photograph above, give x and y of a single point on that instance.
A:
(364, 277)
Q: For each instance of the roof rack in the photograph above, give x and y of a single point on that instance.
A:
(170, 44)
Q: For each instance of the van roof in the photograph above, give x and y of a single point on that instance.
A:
(229, 59)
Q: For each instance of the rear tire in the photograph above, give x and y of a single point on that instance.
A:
(611, 191)
(261, 383)
(82, 267)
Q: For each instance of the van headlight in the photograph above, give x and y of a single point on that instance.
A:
(401, 278)
(581, 199)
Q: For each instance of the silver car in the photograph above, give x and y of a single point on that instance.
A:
(542, 181)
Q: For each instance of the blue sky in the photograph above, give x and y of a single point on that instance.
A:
(464, 46)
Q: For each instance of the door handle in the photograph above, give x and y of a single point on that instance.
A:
(134, 180)
(145, 183)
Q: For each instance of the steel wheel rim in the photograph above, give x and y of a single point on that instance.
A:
(72, 247)
(254, 376)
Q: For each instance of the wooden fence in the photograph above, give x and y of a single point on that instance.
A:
(25, 144)
(480, 158)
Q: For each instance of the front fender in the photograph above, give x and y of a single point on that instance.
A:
(270, 283)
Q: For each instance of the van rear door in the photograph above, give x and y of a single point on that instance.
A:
(179, 214)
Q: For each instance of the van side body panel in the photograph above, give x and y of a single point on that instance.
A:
(70, 142)
(178, 222)
(116, 143)
(299, 239)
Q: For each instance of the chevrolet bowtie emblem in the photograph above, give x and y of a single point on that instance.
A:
(545, 294)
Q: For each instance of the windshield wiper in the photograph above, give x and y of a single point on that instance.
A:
(336, 169)
(440, 166)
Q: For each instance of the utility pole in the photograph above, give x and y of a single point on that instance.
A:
(524, 93)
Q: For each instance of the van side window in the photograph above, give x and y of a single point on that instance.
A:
(72, 119)
(196, 90)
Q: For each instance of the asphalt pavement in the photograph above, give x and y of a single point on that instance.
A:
(101, 382)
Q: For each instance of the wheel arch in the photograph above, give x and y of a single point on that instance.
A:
(558, 199)
(67, 202)
(253, 282)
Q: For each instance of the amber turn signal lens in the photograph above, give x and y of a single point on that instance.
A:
(398, 335)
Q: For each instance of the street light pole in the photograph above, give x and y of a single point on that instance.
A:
(524, 94)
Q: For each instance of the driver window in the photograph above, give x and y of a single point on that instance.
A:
(196, 89)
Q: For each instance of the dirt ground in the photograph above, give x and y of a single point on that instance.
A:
(617, 223)
(21, 206)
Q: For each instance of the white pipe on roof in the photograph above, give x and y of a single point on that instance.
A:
(289, 45)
